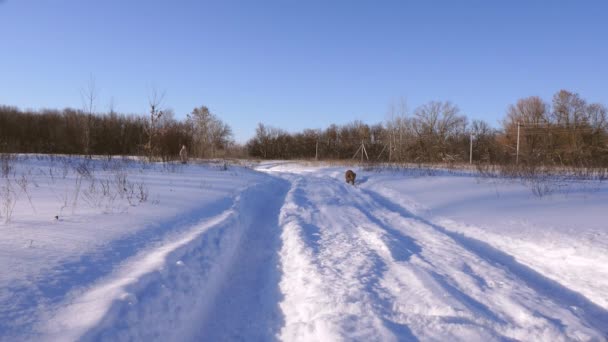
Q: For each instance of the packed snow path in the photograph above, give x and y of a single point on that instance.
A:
(299, 255)
(359, 267)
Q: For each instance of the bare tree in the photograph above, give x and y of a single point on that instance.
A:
(527, 115)
(220, 135)
(434, 124)
(269, 142)
(569, 109)
(155, 101)
(399, 132)
(597, 116)
(485, 148)
(528, 111)
(89, 98)
(209, 132)
(200, 121)
(570, 115)
(598, 135)
(112, 106)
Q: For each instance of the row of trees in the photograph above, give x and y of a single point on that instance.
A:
(157, 135)
(567, 131)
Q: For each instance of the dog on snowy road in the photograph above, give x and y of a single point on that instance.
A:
(350, 177)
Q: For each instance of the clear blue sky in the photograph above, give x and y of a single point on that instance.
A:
(301, 64)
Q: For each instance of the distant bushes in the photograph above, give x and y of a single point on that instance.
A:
(72, 131)
(567, 132)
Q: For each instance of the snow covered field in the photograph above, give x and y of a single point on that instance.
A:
(119, 250)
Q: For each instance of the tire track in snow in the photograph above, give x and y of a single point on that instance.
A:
(356, 266)
(246, 307)
(21, 309)
(433, 308)
(208, 284)
(546, 309)
(329, 270)
(362, 261)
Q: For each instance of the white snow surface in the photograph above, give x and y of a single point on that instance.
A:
(119, 250)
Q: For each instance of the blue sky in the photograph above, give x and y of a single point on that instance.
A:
(301, 64)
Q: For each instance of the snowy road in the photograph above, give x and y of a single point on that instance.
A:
(357, 266)
(296, 254)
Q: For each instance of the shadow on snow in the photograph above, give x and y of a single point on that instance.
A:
(27, 297)
(591, 313)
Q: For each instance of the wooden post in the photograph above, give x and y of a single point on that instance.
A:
(357, 153)
(362, 149)
(380, 155)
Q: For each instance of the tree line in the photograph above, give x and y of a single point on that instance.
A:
(567, 131)
(157, 135)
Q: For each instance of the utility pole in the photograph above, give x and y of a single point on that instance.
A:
(471, 150)
(517, 155)
(317, 151)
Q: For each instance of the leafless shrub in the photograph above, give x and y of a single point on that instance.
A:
(51, 175)
(110, 200)
(543, 180)
(91, 194)
(102, 193)
(114, 164)
(120, 183)
(130, 193)
(172, 167)
(541, 187)
(65, 169)
(107, 163)
(97, 191)
(142, 193)
(84, 169)
(105, 187)
(9, 198)
(6, 160)
(602, 174)
(486, 170)
(112, 191)
(23, 183)
(63, 198)
(76, 192)
(144, 163)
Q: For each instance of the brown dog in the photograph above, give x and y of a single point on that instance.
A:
(350, 177)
